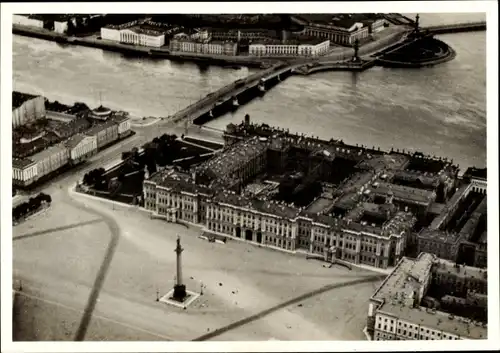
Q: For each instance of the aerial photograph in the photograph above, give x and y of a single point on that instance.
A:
(249, 177)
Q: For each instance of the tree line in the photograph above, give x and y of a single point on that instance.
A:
(29, 207)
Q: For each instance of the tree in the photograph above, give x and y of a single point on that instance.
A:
(126, 155)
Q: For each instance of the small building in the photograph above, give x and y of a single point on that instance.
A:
(61, 26)
(28, 20)
(81, 147)
(106, 133)
(24, 171)
(50, 159)
(123, 123)
(26, 108)
(100, 113)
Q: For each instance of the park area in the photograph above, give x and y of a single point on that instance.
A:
(123, 183)
(250, 293)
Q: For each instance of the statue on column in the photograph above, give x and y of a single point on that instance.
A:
(417, 18)
(179, 287)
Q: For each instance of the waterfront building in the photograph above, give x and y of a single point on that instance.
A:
(123, 124)
(50, 159)
(28, 20)
(396, 312)
(81, 147)
(61, 26)
(188, 44)
(26, 108)
(24, 171)
(237, 35)
(134, 33)
(309, 47)
(340, 29)
(105, 133)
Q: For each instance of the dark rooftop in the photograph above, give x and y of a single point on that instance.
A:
(479, 173)
(19, 98)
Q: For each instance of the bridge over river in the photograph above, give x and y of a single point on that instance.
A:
(239, 92)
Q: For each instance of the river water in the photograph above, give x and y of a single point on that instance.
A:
(439, 110)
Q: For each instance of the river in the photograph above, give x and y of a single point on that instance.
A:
(439, 110)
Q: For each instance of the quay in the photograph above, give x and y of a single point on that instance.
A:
(456, 28)
(240, 92)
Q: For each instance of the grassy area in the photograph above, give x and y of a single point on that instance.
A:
(212, 145)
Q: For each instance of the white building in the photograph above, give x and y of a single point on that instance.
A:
(123, 123)
(27, 20)
(134, 34)
(81, 147)
(50, 159)
(61, 26)
(24, 171)
(316, 48)
(26, 108)
(188, 45)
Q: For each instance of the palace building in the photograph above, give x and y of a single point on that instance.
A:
(301, 194)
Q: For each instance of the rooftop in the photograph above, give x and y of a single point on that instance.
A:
(478, 173)
(438, 235)
(228, 160)
(171, 178)
(395, 282)
(292, 41)
(437, 320)
(263, 206)
(404, 192)
(445, 266)
(21, 163)
(99, 127)
(146, 29)
(385, 161)
(48, 152)
(341, 21)
(19, 98)
(74, 140)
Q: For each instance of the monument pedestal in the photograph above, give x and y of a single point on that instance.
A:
(179, 292)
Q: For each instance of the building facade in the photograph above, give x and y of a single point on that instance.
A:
(60, 26)
(26, 108)
(184, 44)
(105, 133)
(134, 33)
(24, 171)
(123, 123)
(50, 159)
(261, 49)
(338, 35)
(81, 147)
(394, 311)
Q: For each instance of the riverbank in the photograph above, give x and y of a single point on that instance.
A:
(135, 50)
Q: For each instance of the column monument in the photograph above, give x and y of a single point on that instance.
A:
(179, 288)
